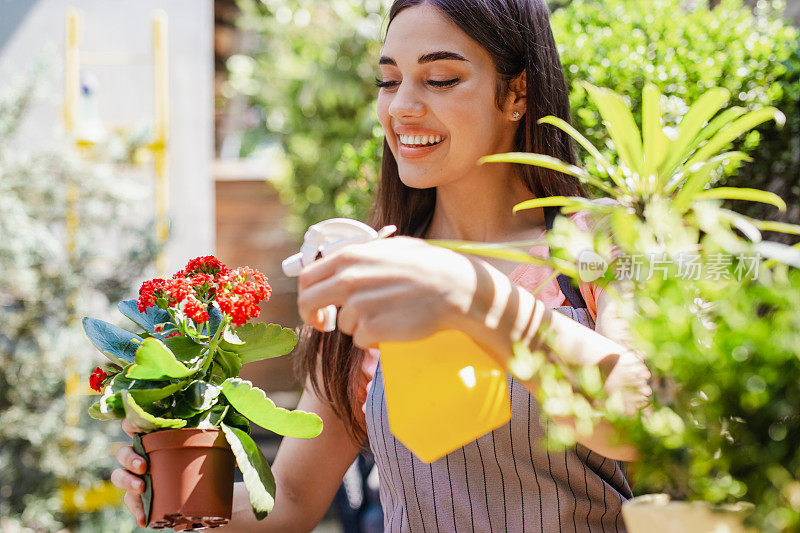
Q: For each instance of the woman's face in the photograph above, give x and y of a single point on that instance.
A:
(437, 100)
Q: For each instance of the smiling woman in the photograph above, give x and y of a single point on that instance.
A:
(460, 79)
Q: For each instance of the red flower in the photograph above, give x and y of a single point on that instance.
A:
(205, 279)
(196, 310)
(97, 378)
(203, 265)
(238, 296)
(150, 292)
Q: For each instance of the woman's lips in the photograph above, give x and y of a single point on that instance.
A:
(414, 152)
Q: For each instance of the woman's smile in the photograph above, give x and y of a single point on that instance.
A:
(414, 142)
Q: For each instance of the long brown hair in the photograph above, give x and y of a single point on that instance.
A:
(517, 35)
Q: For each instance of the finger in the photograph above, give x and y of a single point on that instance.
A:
(331, 291)
(362, 304)
(363, 336)
(134, 504)
(129, 428)
(131, 460)
(320, 269)
(127, 481)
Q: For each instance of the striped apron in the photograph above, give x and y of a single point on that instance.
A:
(503, 481)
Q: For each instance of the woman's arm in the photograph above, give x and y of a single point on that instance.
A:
(502, 313)
(307, 474)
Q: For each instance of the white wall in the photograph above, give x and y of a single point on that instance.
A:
(33, 29)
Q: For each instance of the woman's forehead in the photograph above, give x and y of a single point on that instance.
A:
(423, 29)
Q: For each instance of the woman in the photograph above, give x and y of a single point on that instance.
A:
(460, 79)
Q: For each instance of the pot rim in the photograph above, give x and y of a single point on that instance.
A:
(184, 438)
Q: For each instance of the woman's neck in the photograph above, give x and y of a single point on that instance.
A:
(479, 208)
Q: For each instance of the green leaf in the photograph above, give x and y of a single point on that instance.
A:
(96, 412)
(777, 252)
(118, 344)
(620, 124)
(567, 128)
(691, 124)
(214, 319)
(253, 403)
(235, 419)
(656, 144)
(201, 395)
(624, 226)
(490, 250)
(734, 130)
(260, 341)
(698, 179)
(782, 227)
(229, 363)
(742, 193)
(211, 418)
(148, 320)
(144, 391)
(143, 420)
(546, 161)
(563, 201)
(155, 361)
(185, 350)
(256, 472)
(147, 494)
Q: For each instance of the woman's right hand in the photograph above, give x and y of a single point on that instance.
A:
(127, 478)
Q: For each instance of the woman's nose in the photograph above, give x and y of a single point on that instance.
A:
(406, 102)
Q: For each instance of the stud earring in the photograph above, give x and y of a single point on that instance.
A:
(515, 116)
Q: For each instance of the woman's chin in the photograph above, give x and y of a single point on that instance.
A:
(418, 181)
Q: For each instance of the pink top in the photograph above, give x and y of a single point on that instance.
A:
(528, 276)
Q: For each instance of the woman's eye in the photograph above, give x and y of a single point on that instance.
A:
(433, 83)
(443, 83)
(381, 83)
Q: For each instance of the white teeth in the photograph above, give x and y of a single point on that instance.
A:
(420, 140)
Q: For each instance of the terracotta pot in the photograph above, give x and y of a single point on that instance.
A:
(655, 513)
(192, 475)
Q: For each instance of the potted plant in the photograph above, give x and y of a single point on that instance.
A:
(177, 381)
(711, 306)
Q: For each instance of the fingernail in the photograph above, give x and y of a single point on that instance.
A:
(138, 463)
(139, 485)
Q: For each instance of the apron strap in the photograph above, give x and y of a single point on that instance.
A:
(568, 286)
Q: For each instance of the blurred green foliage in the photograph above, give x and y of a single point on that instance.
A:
(43, 289)
(312, 78)
(755, 54)
(725, 424)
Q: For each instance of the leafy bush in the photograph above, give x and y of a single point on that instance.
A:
(42, 290)
(684, 49)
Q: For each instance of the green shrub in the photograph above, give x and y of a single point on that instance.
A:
(313, 79)
(622, 44)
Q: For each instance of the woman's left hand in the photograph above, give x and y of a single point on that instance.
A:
(393, 289)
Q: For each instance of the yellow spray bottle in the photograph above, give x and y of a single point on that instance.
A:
(442, 391)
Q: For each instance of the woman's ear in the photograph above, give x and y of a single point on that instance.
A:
(517, 97)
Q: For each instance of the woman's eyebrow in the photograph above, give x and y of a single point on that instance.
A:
(427, 58)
